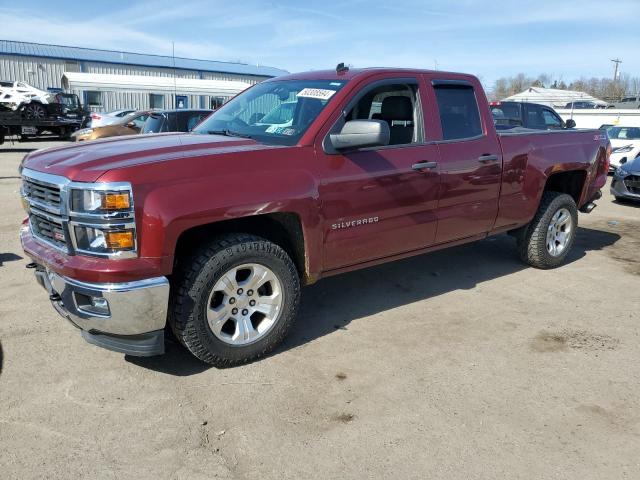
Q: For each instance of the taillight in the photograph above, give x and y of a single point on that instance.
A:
(607, 158)
(95, 116)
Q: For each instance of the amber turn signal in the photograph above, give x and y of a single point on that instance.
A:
(119, 240)
(115, 201)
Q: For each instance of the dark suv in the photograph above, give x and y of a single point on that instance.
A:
(183, 120)
(508, 115)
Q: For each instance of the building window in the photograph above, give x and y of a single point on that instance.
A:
(94, 99)
(217, 102)
(156, 100)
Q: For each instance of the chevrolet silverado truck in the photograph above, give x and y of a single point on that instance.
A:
(211, 234)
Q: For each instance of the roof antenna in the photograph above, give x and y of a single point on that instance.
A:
(342, 68)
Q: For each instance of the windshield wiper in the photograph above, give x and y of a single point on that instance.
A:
(228, 133)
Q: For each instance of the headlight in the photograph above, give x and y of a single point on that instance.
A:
(625, 149)
(622, 171)
(101, 201)
(102, 219)
(108, 240)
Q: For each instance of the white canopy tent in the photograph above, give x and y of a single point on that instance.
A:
(552, 97)
(143, 83)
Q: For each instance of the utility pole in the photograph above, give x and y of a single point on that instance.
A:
(617, 61)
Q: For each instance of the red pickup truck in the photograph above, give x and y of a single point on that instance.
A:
(213, 232)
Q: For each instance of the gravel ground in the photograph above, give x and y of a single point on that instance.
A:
(459, 364)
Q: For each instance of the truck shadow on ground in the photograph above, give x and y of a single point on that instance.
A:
(334, 303)
(8, 257)
(627, 203)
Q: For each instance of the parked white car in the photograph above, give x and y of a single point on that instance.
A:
(15, 94)
(100, 119)
(625, 144)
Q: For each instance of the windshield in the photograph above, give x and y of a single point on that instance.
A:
(624, 133)
(138, 118)
(276, 112)
(154, 124)
(70, 101)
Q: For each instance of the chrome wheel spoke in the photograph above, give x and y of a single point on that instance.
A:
(244, 330)
(259, 276)
(228, 284)
(268, 305)
(217, 317)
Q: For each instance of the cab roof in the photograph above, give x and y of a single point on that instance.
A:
(359, 72)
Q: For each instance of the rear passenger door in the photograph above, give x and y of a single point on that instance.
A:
(470, 162)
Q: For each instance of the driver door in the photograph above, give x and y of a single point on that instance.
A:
(378, 202)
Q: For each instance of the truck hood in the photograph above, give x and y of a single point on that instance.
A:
(86, 162)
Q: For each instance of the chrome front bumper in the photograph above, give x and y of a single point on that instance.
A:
(126, 317)
(620, 189)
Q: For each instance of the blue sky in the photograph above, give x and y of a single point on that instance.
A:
(566, 39)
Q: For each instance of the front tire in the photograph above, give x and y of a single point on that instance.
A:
(547, 240)
(234, 300)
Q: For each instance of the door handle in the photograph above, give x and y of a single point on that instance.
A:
(488, 158)
(424, 165)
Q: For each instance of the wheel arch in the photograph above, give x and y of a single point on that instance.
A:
(571, 182)
(282, 228)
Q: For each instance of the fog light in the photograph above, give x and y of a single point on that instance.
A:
(92, 305)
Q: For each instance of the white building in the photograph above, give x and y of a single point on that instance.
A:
(109, 80)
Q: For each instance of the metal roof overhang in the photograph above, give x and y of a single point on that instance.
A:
(136, 83)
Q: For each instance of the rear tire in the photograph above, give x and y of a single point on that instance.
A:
(208, 288)
(34, 111)
(547, 240)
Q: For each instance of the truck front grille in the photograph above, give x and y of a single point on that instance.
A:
(43, 195)
(48, 229)
(632, 182)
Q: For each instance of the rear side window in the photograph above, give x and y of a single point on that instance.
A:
(459, 114)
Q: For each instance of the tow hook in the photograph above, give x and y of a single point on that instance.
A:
(55, 297)
(32, 265)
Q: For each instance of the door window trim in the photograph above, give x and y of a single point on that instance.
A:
(340, 121)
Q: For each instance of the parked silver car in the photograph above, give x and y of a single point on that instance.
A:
(626, 181)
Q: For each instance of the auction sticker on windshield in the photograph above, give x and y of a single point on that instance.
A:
(319, 93)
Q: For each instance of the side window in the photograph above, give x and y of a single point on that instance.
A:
(396, 104)
(551, 120)
(94, 99)
(459, 113)
(535, 118)
(156, 100)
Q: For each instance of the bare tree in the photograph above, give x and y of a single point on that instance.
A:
(603, 88)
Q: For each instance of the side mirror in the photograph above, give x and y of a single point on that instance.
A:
(131, 125)
(571, 123)
(361, 134)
